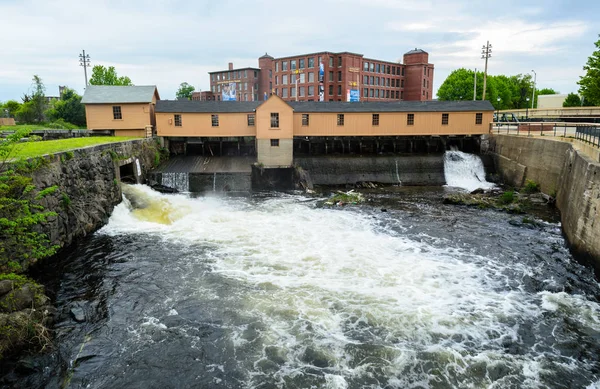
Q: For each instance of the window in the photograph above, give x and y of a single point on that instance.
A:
(245, 96)
(274, 120)
(212, 77)
(305, 119)
(214, 120)
(365, 92)
(397, 95)
(330, 77)
(372, 80)
(293, 91)
(276, 67)
(277, 91)
(376, 80)
(177, 120)
(388, 82)
(276, 80)
(371, 67)
(478, 118)
(376, 92)
(366, 67)
(292, 79)
(270, 86)
(293, 64)
(301, 90)
(402, 71)
(229, 76)
(245, 86)
(402, 95)
(371, 92)
(425, 70)
(330, 90)
(274, 142)
(387, 94)
(445, 118)
(339, 62)
(388, 70)
(301, 63)
(311, 62)
(330, 62)
(410, 119)
(377, 68)
(340, 119)
(117, 112)
(256, 74)
(375, 119)
(250, 116)
(284, 66)
(311, 77)
(394, 70)
(402, 83)
(340, 76)
(284, 79)
(423, 83)
(423, 92)
(284, 92)
(311, 90)
(366, 80)
(302, 78)
(339, 90)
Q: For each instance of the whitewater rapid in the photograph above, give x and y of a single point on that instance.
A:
(349, 298)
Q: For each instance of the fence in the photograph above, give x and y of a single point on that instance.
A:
(586, 132)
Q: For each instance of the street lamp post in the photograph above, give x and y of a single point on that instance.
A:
(533, 93)
(527, 109)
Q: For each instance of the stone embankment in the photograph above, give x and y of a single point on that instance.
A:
(88, 189)
(568, 171)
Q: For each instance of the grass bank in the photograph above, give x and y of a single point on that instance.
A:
(36, 149)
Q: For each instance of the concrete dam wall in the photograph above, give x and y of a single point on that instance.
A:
(401, 169)
(561, 169)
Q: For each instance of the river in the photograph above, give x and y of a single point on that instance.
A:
(275, 291)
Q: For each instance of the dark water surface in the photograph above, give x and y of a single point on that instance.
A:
(274, 292)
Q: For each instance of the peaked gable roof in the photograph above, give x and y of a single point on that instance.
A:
(107, 94)
(196, 106)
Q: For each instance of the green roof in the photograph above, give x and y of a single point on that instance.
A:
(109, 94)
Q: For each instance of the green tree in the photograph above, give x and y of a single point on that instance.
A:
(108, 76)
(572, 100)
(185, 91)
(26, 113)
(457, 86)
(38, 98)
(589, 84)
(68, 108)
(12, 106)
(20, 211)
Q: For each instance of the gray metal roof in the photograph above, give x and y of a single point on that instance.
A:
(109, 94)
(416, 51)
(176, 106)
(392, 106)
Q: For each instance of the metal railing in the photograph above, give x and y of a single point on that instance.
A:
(585, 132)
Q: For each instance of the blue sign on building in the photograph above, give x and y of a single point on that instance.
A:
(354, 95)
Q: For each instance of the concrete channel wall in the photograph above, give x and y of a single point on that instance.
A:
(562, 169)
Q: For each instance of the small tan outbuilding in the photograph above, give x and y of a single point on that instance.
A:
(124, 110)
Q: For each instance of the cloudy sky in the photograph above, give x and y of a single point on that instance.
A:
(171, 41)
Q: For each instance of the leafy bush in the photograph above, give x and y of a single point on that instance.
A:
(531, 187)
(507, 197)
(60, 124)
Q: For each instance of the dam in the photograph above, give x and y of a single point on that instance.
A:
(273, 291)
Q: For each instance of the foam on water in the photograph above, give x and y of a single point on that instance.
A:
(335, 287)
(466, 171)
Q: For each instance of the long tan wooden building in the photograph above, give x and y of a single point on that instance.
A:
(274, 124)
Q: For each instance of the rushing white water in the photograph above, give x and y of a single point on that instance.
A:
(465, 171)
(179, 181)
(361, 297)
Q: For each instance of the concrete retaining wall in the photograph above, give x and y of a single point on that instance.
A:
(406, 170)
(561, 168)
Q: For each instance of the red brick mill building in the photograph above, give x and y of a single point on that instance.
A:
(344, 76)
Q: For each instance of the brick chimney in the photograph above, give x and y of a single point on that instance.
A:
(230, 65)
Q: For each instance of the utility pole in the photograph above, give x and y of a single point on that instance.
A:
(84, 60)
(475, 86)
(486, 52)
(533, 94)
